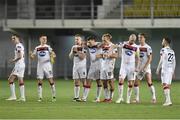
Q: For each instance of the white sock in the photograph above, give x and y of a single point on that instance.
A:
(167, 95)
(76, 91)
(129, 91)
(53, 90)
(152, 89)
(85, 93)
(98, 93)
(12, 88)
(22, 91)
(111, 94)
(121, 88)
(106, 93)
(136, 91)
(40, 91)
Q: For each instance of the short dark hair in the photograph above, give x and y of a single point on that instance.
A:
(143, 34)
(16, 35)
(42, 35)
(91, 38)
(168, 40)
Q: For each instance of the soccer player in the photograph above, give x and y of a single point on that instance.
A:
(144, 68)
(18, 71)
(167, 65)
(129, 65)
(95, 67)
(108, 56)
(44, 55)
(78, 54)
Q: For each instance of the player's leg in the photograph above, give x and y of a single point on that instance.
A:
(106, 91)
(40, 76)
(53, 88)
(98, 91)
(87, 86)
(76, 89)
(12, 87)
(22, 89)
(122, 75)
(166, 82)
(129, 91)
(136, 90)
(111, 84)
(151, 86)
(166, 89)
(40, 82)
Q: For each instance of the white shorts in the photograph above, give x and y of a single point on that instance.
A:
(140, 75)
(79, 72)
(44, 70)
(107, 73)
(93, 73)
(128, 71)
(166, 77)
(18, 70)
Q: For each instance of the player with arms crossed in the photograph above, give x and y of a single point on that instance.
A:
(129, 65)
(18, 71)
(78, 54)
(167, 65)
(95, 67)
(108, 57)
(144, 68)
(44, 55)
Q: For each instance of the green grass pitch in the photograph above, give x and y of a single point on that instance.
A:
(64, 108)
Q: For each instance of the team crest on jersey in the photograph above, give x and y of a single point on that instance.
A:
(129, 52)
(42, 53)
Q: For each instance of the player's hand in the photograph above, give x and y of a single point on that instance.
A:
(99, 56)
(157, 72)
(105, 55)
(75, 49)
(11, 61)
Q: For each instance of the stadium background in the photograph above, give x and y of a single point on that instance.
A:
(61, 19)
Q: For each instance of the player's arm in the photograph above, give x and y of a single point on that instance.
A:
(148, 62)
(137, 60)
(71, 54)
(159, 66)
(81, 54)
(32, 55)
(19, 56)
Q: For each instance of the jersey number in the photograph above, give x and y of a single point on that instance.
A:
(170, 57)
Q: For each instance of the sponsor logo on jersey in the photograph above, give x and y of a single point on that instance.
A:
(42, 53)
(129, 52)
(93, 50)
(141, 54)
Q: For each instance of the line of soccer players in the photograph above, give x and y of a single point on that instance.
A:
(135, 65)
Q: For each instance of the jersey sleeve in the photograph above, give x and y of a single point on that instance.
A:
(50, 49)
(161, 51)
(149, 51)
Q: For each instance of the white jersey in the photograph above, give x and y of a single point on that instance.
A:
(19, 49)
(128, 53)
(43, 54)
(93, 51)
(76, 60)
(145, 51)
(168, 59)
(108, 62)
